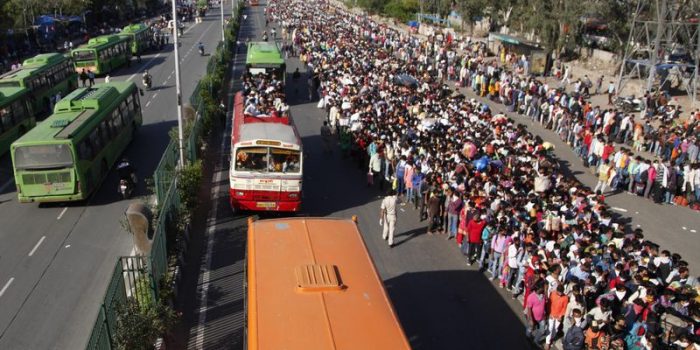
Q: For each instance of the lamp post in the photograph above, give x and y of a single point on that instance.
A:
(177, 88)
(223, 26)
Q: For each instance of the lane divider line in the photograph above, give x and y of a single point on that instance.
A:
(37, 246)
(61, 214)
(7, 285)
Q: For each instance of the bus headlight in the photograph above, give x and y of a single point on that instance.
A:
(240, 194)
(293, 195)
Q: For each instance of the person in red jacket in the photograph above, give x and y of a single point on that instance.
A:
(474, 228)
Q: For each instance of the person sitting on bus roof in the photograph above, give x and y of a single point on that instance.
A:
(251, 109)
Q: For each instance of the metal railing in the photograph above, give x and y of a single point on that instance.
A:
(138, 278)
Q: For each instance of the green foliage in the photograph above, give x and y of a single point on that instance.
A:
(189, 180)
(403, 10)
(138, 327)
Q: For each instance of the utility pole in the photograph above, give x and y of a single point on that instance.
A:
(223, 26)
(178, 89)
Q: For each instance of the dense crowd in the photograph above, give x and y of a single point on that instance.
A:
(486, 181)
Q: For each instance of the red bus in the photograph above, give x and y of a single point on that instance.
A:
(266, 162)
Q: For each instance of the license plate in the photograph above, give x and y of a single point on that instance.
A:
(266, 205)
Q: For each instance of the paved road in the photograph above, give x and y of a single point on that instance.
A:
(56, 260)
(441, 303)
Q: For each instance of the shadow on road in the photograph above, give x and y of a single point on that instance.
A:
(454, 310)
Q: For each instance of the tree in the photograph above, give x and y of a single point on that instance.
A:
(470, 10)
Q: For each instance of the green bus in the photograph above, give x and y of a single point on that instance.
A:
(45, 76)
(16, 117)
(102, 54)
(141, 37)
(66, 157)
(265, 57)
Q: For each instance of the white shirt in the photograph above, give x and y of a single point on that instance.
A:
(389, 205)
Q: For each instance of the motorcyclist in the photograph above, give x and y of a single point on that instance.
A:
(200, 46)
(264, 36)
(146, 78)
(126, 171)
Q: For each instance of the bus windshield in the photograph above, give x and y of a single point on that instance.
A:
(86, 55)
(43, 157)
(268, 160)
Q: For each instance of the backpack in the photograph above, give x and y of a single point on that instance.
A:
(574, 339)
(633, 339)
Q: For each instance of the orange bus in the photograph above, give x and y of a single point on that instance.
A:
(311, 284)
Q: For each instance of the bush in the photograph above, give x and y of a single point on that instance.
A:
(138, 327)
(189, 179)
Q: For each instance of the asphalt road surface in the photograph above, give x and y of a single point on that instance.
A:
(56, 260)
(441, 303)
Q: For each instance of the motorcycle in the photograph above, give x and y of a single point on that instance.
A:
(629, 104)
(147, 83)
(125, 188)
(201, 50)
(126, 185)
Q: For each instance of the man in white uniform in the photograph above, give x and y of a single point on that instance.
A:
(387, 216)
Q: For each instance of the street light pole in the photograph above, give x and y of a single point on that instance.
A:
(223, 26)
(177, 88)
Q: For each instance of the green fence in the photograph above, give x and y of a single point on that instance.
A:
(138, 278)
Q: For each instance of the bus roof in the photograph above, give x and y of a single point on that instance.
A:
(101, 41)
(8, 94)
(44, 59)
(73, 110)
(313, 285)
(30, 66)
(134, 28)
(261, 52)
(268, 131)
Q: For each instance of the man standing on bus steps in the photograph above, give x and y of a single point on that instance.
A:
(387, 217)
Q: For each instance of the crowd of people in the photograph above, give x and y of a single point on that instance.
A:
(486, 181)
(650, 160)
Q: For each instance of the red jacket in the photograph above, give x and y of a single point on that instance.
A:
(474, 230)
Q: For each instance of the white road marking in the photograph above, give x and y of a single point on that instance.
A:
(67, 246)
(199, 343)
(685, 228)
(62, 212)
(693, 231)
(7, 285)
(155, 95)
(148, 103)
(619, 209)
(37, 246)
(199, 340)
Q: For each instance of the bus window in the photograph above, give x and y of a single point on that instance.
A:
(251, 159)
(85, 150)
(87, 55)
(6, 118)
(43, 157)
(19, 111)
(284, 160)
